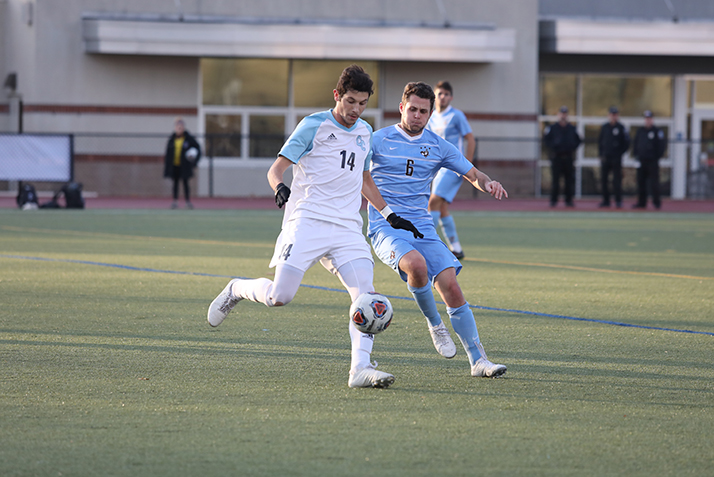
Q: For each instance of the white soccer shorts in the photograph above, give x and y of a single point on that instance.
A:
(305, 241)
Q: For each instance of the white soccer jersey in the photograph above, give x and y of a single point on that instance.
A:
(451, 124)
(327, 176)
(403, 168)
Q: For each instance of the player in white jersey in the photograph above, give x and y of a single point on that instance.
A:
(451, 124)
(405, 159)
(330, 154)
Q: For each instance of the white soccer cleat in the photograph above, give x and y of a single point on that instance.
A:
(483, 368)
(442, 340)
(222, 305)
(369, 377)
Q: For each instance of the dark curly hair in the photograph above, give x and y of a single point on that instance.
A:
(354, 78)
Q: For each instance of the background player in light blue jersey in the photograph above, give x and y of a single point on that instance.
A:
(405, 159)
(330, 155)
(451, 124)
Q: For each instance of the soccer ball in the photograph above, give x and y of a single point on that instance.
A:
(371, 313)
(192, 154)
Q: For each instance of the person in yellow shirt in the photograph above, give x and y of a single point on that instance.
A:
(182, 154)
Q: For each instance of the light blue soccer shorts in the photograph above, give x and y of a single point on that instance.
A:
(446, 184)
(391, 245)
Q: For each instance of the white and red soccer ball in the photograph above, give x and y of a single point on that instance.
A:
(371, 313)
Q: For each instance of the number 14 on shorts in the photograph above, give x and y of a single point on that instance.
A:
(285, 252)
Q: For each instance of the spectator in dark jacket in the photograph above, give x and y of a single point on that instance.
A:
(562, 140)
(650, 144)
(182, 154)
(612, 144)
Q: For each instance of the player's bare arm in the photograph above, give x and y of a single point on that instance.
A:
(484, 183)
(470, 146)
(275, 179)
(371, 192)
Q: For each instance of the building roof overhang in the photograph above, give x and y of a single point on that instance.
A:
(255, 38)
(618, 37)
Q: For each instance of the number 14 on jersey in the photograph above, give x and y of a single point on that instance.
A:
(348, 161)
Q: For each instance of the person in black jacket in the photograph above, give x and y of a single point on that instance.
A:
(612, 144)
(182, 154)
(562, 140)
(650, 144)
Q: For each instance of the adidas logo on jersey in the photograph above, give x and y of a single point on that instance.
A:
(332, 137)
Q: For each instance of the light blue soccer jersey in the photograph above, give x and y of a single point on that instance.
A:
(327, 176)
(452, 125)
(403, 168)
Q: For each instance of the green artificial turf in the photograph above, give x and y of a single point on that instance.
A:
(109, 367)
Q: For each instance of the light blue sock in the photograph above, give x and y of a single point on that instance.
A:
(427, 304)
(435, 216)
(462, 319)
(450, 229)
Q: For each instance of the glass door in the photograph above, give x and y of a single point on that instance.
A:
(702, 156)
(701, 165)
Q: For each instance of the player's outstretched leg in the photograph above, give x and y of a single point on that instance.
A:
(259, 290)
(223, 304)
(462, 319)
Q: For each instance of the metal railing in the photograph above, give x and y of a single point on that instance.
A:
(515, 158)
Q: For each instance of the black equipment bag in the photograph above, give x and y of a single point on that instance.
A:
(27, 196)
(73, 195)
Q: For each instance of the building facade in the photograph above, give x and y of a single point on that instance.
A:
(242, 74)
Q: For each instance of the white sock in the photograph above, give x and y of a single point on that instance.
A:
(456, 247)
(362, 344)
(254, 290)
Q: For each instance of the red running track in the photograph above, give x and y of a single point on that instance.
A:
(481, 204)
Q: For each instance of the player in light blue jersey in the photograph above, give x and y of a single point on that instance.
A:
(451, 124)
(330, 155)
(405, 159)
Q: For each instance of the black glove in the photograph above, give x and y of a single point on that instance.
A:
(282, 193)
(399, 223)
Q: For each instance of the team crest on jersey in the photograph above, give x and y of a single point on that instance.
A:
(392, 255)
(360, 142)
(332, 137)
(424, 151)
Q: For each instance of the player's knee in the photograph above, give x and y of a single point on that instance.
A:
(418, 275)
(280, 299)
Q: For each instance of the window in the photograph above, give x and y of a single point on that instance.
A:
(245, 82)
(250, 106)
(315, 80)
(704, 94)
(557, 91)
(631, 95)
(588, 97)
(590, 140)
(267, 135)
(223, 135)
